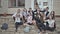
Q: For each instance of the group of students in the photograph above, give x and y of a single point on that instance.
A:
(44, 20)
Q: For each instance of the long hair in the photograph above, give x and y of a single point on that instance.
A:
(53, 15)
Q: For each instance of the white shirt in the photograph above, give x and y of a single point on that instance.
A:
(17, 19)
(29, 19)
(47, 15)
(51, 23)
(25, 14)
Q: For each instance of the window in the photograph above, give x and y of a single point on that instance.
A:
(45, 3)
(0, 3)
(16, 3)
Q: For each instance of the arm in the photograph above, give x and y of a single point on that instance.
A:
(14, 18)
(22, 19)
(14, 15)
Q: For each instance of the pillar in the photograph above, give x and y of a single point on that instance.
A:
(29, 4)
(50, 4)
(4, 6)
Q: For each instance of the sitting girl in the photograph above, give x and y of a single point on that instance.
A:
(29, 19)
(50, 24)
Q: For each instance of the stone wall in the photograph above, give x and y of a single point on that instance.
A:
(56, 6)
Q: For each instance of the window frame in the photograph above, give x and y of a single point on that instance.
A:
(0, 4)
(16, 5)
(45, 3)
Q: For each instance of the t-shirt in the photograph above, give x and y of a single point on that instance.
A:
(25, 14)
(29, 19)
(17, 17)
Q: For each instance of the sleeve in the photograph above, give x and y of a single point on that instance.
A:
(21, 14)
(14, 15)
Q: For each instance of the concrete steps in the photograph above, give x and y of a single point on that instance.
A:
(11, 25)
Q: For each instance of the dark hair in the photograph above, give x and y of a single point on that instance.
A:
(30, 8)
(25, 9)
(47, 7)
(53, 17)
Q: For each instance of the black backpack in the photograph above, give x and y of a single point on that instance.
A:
(4, 26)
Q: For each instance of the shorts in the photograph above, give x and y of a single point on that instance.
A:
(18, 23)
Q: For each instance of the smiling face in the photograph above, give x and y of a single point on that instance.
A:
(38, 10)
(30, 9)
(18, 11)
(46, 8)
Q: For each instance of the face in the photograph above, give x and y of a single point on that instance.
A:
(38, 9)
(18, 11)
(30, 9)
(47, 9)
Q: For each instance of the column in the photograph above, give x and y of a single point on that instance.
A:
(4, 5)
(29, 4)
(40, 3)
(16, 3)
(50, 5)
(32, 4)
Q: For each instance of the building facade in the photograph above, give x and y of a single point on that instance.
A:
(11, 6)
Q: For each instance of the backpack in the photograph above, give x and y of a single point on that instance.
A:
(4, 26)
(27, 29)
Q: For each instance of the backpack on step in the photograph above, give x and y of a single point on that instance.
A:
(27, 29)
(4, 26)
